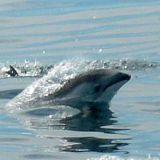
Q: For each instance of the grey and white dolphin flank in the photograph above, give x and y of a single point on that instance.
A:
(12, 72)
(89, 87)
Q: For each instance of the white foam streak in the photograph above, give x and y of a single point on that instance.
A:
(108, 157)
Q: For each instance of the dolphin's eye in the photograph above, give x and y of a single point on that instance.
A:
(97, 88)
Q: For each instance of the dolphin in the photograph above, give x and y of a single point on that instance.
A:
(12, 72)
(89, 91)
(94, 86)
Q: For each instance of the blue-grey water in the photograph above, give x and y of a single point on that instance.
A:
(49, 42)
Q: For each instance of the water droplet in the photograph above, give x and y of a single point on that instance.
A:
(100, 50)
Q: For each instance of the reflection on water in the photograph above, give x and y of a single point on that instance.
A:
(93, 144)
(93, 121)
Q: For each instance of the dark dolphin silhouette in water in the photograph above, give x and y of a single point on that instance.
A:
(12, 72)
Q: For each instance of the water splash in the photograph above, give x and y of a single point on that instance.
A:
(29, 69)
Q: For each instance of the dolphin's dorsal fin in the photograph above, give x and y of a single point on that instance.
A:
(12, 72)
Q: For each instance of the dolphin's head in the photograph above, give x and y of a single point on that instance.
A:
(93, 86)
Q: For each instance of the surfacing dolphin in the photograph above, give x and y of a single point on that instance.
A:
(90, 90)
(95, 86)
(12, 72)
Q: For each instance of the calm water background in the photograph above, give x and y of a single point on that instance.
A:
(45, 33)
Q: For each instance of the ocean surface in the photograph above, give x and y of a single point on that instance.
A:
(49, 42)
